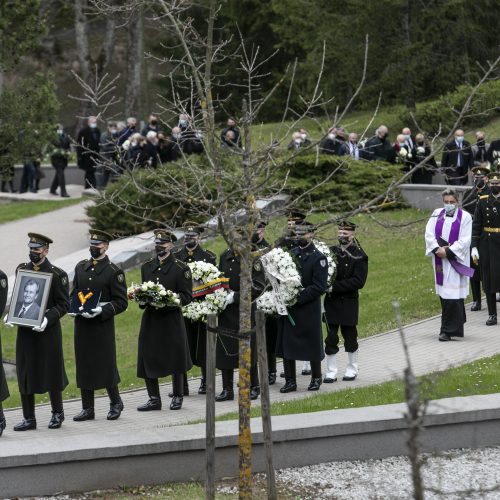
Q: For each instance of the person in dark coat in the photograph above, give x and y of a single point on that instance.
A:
(231, 127)
(378, 147)
(457, 160)
(87, 151)
(342, 302)
(493, 153)
(39, 352)
(163, 342)
(95, 345)
(300, 334)
(150, 150)
(152, 125)
(423, 174)
(469, 203)
(486, 243)
(196, 330)
(59, 159)
(4, 389)
(227, 348)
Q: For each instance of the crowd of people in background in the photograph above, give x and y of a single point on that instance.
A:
(122, 145)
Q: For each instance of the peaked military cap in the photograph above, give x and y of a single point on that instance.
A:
(193, 228)
(97, 236)
(295, 215)
(346, 225)
(481, 170)
(38, 240)
(164, 236)
(304, 227)
(261, 224)
(494, 178)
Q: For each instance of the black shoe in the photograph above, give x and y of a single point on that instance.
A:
(203, 387)
(26, 425)
(115, 410)
(151, 405)
(53, 192)
(290, 386)
(443, 337)
(3, 424)
(254, 392)
(225, 396)
(65, 195)
(328, 380)
(306, 372)
(272, 378)
(282, 375)
(492, 320)
(56, 420)
(85, 414)
(476, 306)
(315, 384)
(176, 403)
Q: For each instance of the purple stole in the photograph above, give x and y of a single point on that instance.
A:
(454, 233)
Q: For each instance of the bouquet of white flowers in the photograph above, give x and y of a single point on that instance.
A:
(153, 294)
(285, 279)
(209, 291)
(330, 258)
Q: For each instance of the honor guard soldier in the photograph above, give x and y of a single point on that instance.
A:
(288, 241)
(486, 243)
(227, 348)
(300, 335)
(95, 345)
(39, 351)
(342, 302)
(163, 343)
(4, 390)
(196, 330)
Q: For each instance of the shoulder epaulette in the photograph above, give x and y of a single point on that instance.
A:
(58, 271)
(116, 269)
(181, 263)
(484, 196)
(212, 254)
(82, 262)
(22, 266)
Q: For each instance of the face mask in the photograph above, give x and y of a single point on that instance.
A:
(459, 139)
(35, 257)
(449, 208)
(133, 143)
(302, 242)
(297, 141)
(479, 183)
(132, 126)
(60, 131)
(183, 123)
(420, 143)
(113, 131)
(153, 122)
(407, 136)
(384, 136)
(160, 251)
(343, 240)
(303, 136)
(93, 125)
(495, 190)
(190, 244)
(331, 136)
(95, 252)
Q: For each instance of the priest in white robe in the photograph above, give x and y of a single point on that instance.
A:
(447, 240)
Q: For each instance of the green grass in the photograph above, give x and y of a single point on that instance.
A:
(21, 209)
(397, 269)
(479, 377)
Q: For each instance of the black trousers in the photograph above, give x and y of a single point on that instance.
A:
(28, 403)
(291, 373)
(88, 396)
(349, 333)
(491, 300)
(153, 387)
(89, 180)
(453, 317)
(2, 416)
(59, 180)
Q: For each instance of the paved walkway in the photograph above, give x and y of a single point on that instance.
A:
(74, 190)
(381, 359)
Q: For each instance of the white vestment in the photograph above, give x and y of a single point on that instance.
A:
(455, 286)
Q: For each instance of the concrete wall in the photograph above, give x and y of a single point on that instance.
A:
(427, 196)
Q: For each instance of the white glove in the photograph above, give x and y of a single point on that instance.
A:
(229, 299)
(97, 310)
(10, 325)
(474, 254)
(42, 327)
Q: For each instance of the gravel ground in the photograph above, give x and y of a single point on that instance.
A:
(454, 473)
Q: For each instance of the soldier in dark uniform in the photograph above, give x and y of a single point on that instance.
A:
(469, 203)
(39, 352)
(486, 243)
(95, 346)
(163, 343)
(227, 348)
(288, 241)
(342, 303)
(4, 390)
(300, 334)
(196, 330)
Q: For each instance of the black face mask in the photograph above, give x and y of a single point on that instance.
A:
(190, 244)
(160, 251)
(95, 252)
(255, 238)
(35, 257)
(153, 122)
(479, 183)
(344, 240)
(495, 189)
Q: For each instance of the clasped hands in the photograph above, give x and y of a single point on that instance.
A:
(441, 252)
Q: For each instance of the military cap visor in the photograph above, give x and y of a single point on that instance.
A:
(295, 216)
(481, 171)
(162, 236)
(97, 237)
(304, 227)
(261, 224)
(494, 179)
(192, 229)
(38, 240)
(346, 225)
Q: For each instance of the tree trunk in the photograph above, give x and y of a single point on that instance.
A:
(409, 91)
(134, 64)
(82, 49)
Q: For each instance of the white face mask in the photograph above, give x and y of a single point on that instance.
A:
(449, 208)
(93, 125)
(303, 136)
(59, 131)
(331, 136)
(176, 136)
(297, 141)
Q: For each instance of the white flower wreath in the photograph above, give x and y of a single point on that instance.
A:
(332, 264)
(209, 291)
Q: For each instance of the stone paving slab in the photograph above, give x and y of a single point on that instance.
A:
(74, 190)
(381, 359)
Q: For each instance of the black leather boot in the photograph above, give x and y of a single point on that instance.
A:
(176, 403)
(85, 414)
(271, 376)
(254, 392)
(227, 393)
(290, 386)
(203, 387)
(3, 424)
(492, 320)
(115, 410)
(56, 420)
(151, 405)
(27, 424)
(315, 384)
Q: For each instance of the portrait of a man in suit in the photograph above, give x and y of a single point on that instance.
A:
(29, 308)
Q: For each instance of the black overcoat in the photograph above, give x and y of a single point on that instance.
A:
(4, 290)
(163, 343)
(457, 175)
(423, 175)
(39, 355)
(304, 341)
(196, 330)
(95, 347)
(88, 146)
(342, 303)
(487, 215)
(227, 347)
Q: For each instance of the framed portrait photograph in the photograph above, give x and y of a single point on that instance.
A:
(29, 298)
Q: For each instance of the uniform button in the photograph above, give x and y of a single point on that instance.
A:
(92, 269)
(90, 279)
